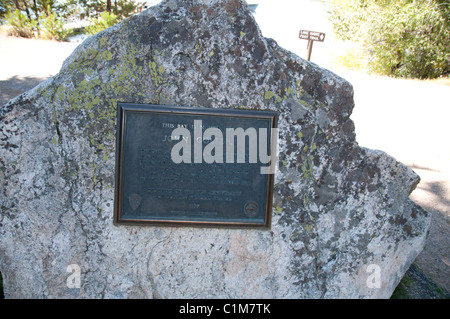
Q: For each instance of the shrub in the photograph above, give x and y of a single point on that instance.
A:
(21, 26)
(105, 21)
(54, 27)
(402, 38)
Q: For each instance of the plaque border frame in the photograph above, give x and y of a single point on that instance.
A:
(124, 107)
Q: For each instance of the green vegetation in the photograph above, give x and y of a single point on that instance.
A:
(53, 27)
(401, 291)
(47, 19)
(21, 25)
(105, 21)
(400, 38)
(415, 284)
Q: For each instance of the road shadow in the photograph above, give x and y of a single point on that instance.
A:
(433, 182)
(438, 189)
(432, 193)
(17, 85)
(419, 167)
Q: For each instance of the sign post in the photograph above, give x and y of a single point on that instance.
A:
(311, 36)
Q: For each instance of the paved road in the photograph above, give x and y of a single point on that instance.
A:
(24, 63)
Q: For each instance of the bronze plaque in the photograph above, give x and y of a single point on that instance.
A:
(186, 166)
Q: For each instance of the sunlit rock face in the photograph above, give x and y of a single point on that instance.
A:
(342, 223)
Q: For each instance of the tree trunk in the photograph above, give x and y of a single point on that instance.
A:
(17, 4)
(108, 6)
(36, 12)
(27, 10)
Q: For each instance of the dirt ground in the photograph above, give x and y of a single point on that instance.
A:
(405, 118)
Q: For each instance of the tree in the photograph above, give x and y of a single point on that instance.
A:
(46, 18)
(29, 18)
(402, 38)
(93, 8)
(106, 19)
(3, 10)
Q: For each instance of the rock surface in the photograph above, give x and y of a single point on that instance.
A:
(342, 220)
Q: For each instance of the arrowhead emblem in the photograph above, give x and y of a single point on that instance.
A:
(135, 200)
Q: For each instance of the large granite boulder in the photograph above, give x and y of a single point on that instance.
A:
(342, 225)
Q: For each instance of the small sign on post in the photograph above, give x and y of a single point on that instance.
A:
(311, 36)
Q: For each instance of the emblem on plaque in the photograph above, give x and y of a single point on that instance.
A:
(135, 201)
(251, 209)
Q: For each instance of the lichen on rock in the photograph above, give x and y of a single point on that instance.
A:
(337, 209)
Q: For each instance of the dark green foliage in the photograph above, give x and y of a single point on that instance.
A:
(105, 21)
(402, 38)
(93, 8)
(46, 18)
